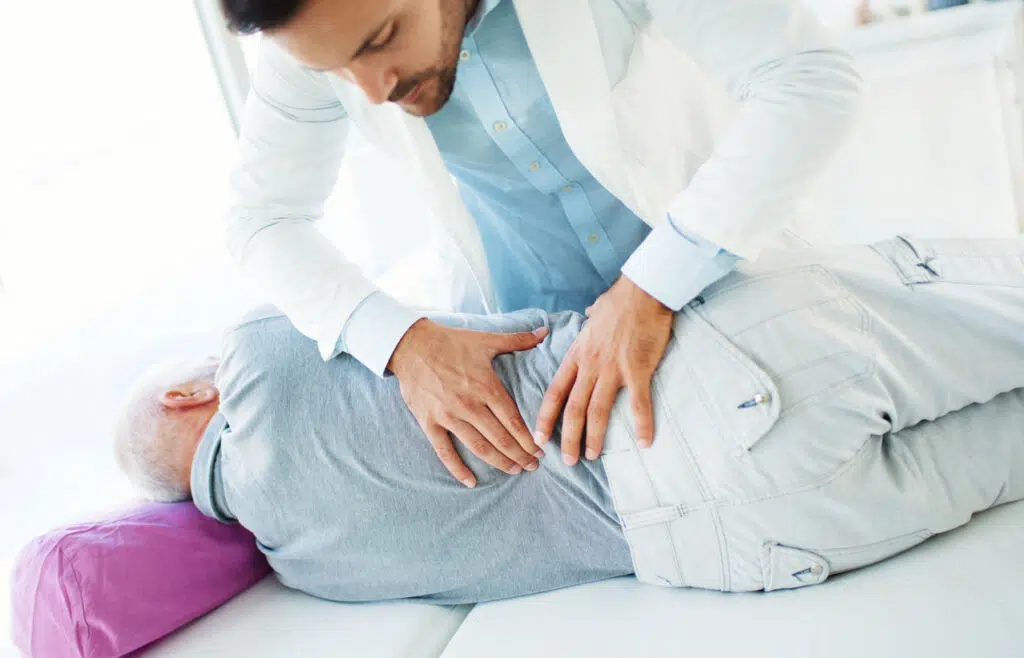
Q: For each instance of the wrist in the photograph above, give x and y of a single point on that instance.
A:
(408, 347)
(644, 299)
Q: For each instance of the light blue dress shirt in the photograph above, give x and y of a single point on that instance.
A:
(555, 238)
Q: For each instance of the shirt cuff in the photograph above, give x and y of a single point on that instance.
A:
(673, 266)
(374, 330)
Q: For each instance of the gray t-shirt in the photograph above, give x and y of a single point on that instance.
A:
(326, 465)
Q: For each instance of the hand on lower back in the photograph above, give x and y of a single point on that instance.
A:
(448, 381)
(621, 345)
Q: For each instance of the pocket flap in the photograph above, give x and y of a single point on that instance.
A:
(784, 567)
(743, 396)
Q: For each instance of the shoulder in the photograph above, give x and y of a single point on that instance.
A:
(292, 89)
(264, 342)
(260, 324)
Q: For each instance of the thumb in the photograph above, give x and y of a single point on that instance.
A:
(525, 340)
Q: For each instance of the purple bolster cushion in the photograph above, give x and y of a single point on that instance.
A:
(105, 589)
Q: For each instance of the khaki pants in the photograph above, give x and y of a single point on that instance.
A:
(826, 408)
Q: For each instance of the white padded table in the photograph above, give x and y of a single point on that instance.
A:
(958, 595)
(271, 621)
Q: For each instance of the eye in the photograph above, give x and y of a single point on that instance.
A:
(384, 37)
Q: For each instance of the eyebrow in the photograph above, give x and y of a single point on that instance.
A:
(359, 51)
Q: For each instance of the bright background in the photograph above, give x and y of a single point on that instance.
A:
(114, 151)
(115, 147)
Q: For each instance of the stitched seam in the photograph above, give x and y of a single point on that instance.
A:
(971, 283)
(763, 321)
(685, 448)
(702, 483)
(836, 552)
(866, 330)
(901, 265)
(751, 280)
(635, 450)
(828, 479)
(81, 603)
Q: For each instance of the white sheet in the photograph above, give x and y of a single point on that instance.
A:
(271, 621)
(961, 594)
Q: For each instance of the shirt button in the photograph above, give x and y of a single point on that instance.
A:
(593, 238)
(464, 55)
(500, 126)
(534, 166)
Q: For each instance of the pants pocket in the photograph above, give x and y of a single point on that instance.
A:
(787, 567)
(984, 262)
(854, 557)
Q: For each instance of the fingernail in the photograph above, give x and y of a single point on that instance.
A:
(540, 332)
(532, 466)
(515, 470)
(539, 438)
(540, 454)
(568, 459)
(644, 443)
(469, 482)
(591, 454)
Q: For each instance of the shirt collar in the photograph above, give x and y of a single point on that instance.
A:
(485, 7)
(206, 481)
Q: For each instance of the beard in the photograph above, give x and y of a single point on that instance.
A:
(439, 80)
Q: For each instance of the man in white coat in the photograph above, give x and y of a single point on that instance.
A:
(614, 156)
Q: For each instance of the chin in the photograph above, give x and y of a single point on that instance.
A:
(433, 98)
(425, 105)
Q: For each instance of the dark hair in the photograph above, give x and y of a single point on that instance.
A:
(251, 16)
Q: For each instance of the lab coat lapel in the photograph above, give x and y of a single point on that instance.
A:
(452, 215)
(563, 38)
(410, 144)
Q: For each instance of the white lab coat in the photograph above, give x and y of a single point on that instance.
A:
(716, 111)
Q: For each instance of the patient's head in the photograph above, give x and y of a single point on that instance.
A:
(161, 423)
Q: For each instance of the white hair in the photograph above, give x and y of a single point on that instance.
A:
(143, 442)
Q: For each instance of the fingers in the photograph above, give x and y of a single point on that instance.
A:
(526, 340)
(643, 411)
(511, 422)
(482, 448)
(600, 408)
(575, 416)
(445, 451)
(555, 397)
(498, 436)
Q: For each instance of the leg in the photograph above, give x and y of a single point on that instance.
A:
(946, 318)
(901, 489)
(779, 443)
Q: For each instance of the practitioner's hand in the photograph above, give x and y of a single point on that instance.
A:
(449, 384)
(621, 345)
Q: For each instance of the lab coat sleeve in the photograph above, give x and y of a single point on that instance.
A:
(798, 96)
(292, 141)
(674, 267)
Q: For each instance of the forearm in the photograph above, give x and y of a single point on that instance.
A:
(798, 96)
(292, 140)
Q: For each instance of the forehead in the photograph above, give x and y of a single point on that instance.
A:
(325, 33)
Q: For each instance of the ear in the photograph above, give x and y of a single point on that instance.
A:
(189, 396)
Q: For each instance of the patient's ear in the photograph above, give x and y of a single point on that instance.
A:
(189, 396)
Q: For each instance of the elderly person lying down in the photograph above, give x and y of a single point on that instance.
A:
(817, 411)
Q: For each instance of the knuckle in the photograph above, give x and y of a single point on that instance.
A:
(574, 408)
(505, 444)
(570, 436)
(464, 401)
(447, 455)
(479, 447)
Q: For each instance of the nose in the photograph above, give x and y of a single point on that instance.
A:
(377, 82)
